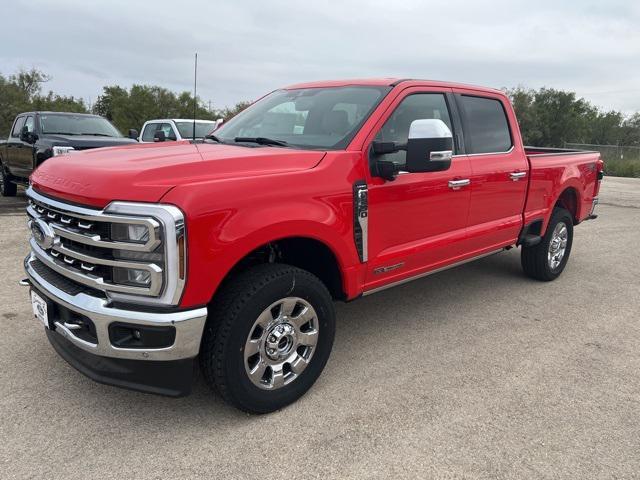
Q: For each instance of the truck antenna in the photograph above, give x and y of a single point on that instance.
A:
(195, 96)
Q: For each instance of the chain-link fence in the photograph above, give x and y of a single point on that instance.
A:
(620, 160)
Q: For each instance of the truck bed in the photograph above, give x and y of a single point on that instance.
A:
(575, 172)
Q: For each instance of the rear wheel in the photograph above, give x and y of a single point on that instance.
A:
(547, 260)
(7, 187)
(268, 338)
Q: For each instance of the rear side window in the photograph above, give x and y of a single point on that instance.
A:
(17, 127)
(486, 125)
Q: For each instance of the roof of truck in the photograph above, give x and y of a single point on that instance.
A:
(392, 82)
(180, 120)
(47, 112)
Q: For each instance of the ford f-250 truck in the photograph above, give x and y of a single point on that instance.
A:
(37, 136)
(231, 250)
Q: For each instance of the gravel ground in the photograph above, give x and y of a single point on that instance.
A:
(477, 372)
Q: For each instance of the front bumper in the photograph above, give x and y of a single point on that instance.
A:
(105, 362)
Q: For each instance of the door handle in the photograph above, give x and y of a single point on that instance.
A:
(515, 176)
(457, 184)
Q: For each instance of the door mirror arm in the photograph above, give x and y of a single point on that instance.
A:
(383, 168)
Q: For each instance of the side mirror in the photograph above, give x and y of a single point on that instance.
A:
(429, 146)
(133, 134)
(27, 136)
(159, 136)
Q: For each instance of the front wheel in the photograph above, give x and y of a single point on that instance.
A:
(547, 260)
(268, 338)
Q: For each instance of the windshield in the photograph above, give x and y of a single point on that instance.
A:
(313, 118)
(77, 125)
(202, 129)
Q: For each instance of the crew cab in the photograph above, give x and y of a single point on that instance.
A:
(233, 249)
(174, 129)
(37, 136)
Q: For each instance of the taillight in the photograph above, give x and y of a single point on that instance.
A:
(599, 175)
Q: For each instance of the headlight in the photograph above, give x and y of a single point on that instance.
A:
(60, 150)
(122, 232)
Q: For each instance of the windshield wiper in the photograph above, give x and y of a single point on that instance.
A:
(59, 133)
(96, 134)
(262, 141)
(211, 136)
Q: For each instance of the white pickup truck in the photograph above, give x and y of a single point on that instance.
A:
(172, 129)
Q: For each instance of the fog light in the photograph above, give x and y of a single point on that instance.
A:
(126, 335)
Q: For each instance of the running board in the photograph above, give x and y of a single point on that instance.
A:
(430, 272)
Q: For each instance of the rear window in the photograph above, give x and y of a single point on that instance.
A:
(202, 129)
(486, 125)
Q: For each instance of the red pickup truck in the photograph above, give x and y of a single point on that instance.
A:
(232, 249)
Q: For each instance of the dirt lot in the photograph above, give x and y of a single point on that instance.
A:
(476, 372)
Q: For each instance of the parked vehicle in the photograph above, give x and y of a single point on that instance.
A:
(173, 129)
(234, 249)
(37, 136)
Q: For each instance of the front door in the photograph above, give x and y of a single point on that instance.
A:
(24, 156)
(416, 222)
(16, 148)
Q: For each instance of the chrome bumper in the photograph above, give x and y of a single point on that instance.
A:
(593, 206)
(189, 324)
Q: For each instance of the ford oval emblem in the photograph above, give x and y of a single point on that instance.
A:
(43, 234)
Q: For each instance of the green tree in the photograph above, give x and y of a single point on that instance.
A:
(551, 118)
(228, 113)
(131, 108)
(21, 92)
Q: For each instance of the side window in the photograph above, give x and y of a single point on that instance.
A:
(149, 131)
(30, 124)
(17, 127)
(168, 131)
(417, 106)
(486, 125)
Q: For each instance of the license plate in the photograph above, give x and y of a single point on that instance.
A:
(40, 308)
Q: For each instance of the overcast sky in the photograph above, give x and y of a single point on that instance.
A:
(249, 47)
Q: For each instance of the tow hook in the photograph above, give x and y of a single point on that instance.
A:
(25, 282)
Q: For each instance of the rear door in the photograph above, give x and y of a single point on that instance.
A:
(499, 170)
(416, 222)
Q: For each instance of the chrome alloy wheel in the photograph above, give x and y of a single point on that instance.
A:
(557, 245)
(281, 343)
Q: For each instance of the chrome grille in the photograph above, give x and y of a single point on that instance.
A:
(77, 243)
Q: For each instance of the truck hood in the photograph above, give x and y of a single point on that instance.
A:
(87, 141)
(146, 172)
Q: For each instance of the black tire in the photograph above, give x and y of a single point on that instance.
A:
(7, 187)
(231, 318)
(535, 260)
